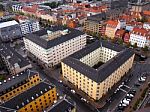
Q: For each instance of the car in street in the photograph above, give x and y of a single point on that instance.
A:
(130, 95)
(60, 81)
(73, 91)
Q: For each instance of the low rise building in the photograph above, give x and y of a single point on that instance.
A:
(10, 30)
(146, 25)
(35, 99)
(140, 36)
(13, 61)
(63, 105)
(53, 44)
(111, 28)
(94, 24)
(97, 67)
(17, 84)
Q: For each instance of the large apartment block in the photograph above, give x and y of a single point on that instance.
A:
(13, 61)
(17, 84)
(53, 44)
(97, 67)
(35, 99)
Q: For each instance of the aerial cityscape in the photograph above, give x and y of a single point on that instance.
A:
(74, 55)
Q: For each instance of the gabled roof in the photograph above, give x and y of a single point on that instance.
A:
(141, 31)
(28, 96)
(12, 81)
(112, 23)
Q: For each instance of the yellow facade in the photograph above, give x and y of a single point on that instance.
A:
(16, 90)
(91, 88)
(110, 32)
(91, 26)
(1, 13)
(42, 102)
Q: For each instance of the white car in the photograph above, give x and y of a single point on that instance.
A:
(60, 81)
(73, 91)
(83, 99)
(126, 101)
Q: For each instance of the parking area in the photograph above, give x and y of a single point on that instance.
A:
(127, 102)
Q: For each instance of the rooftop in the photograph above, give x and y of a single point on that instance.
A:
(12, 56)
(141, 31)
(4, 109)
(41, 37)
(12, 81)
(8, 23)
(112, 23)
(100, 74)
(63, 105)
(28, 96)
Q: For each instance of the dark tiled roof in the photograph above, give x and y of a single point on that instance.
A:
(28, 96)
(16, 80)
(6, 51)
(94, 46)
(103, 71)
(3, 109)
(35, 37)
(97, 17)
(62, 106)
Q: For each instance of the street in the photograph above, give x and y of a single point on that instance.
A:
(81, 107)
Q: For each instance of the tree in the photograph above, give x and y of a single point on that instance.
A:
(145, 48)
(120, 41)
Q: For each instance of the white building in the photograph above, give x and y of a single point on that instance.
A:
(53, 44)
(140, 36)
(146, 26)
(29, 26)
(17, 8)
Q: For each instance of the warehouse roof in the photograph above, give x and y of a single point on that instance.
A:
(100, 74)
(8, 23)
(28, 96)
(35, 37)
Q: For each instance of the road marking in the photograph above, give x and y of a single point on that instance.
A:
(123, 90)
(127, 86)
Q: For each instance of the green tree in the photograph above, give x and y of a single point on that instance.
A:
(145, 48)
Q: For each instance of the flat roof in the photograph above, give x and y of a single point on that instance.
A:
(8, 23)
(100, 74)
(16, 80)
(12, 56)
(28, 96)
(36, 36)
